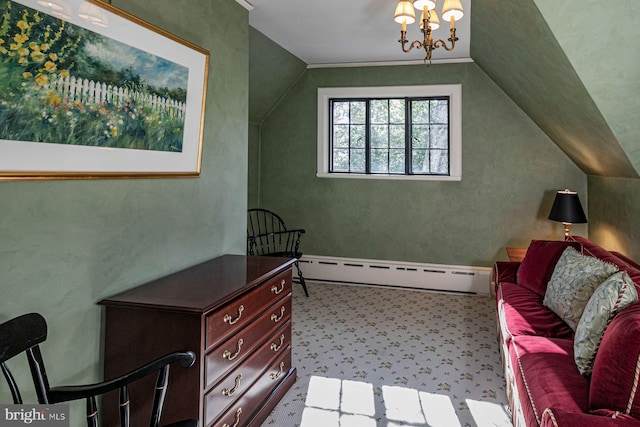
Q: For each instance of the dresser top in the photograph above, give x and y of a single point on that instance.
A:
(203, 286)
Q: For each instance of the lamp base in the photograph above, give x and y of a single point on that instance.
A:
(567, 227)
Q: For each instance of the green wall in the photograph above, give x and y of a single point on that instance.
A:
(609, 70)
(610, 66)
(272, 71)
(511, 171)
(64, 245)
(512, 42)
(614, 214)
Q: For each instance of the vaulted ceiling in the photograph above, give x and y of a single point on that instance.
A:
(579, 86)
(573, 66)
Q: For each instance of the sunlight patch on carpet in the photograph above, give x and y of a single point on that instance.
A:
(487, 414)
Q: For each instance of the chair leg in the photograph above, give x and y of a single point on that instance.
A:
(301, 278)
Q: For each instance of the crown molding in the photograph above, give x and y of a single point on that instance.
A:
(389, 63)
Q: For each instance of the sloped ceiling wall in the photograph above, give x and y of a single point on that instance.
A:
(601, 42)
(582, 100)
(267, 60)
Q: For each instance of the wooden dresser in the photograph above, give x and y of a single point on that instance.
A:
(234, 312)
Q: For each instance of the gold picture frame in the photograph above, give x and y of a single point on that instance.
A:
(91, 91)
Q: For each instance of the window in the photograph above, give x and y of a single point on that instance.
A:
(407, 132)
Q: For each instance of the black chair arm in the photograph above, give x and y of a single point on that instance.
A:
(67, 393)
(299, 231)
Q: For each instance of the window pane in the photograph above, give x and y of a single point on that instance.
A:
(439, 136)
(358, 112)
(379, 161)
(420, 136)
(379, 111)
(396, 161)
(341, 136)
(341, 160)
(420, 112)
(396, 136)
(396, 110)
(440, 111)
(439, 161)
(341, 112)
(419, 161)
(358, 161)
(358, 136)
(379, 136)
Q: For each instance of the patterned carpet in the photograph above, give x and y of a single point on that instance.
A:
(375, 357)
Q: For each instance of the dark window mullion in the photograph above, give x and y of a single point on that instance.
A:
(408, 142)
(367, 138)
(387, 148)
(429, 147)
(350, 144)
(331, 130)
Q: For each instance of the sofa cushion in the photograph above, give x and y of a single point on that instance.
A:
(522, 313)
(572, 283)
(616, 368)
(546, 376)
(613, 295)
(538, 264)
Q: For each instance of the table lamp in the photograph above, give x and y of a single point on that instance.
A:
(567, 210)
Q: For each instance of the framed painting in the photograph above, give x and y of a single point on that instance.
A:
(90, 91)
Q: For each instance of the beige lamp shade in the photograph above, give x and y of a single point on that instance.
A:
(452, 9)
(434, 21)
(420, 4)
(405, 13)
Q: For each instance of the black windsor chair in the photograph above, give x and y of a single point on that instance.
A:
(25, 333)
(267, 235)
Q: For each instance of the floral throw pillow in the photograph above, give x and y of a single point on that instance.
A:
(574, 279)
(614, 294)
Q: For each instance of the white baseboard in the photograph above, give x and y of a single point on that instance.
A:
(437, 277)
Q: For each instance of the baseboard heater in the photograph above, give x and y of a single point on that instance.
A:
(436, 277)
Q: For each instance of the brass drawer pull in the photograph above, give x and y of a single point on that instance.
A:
(238, 412)
(275, 317)
(227, 392)
(276, 347)
(228, 319)
(227, 354)
(275, 289)
(277, 374)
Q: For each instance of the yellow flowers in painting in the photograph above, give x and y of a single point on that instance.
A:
(65, 84)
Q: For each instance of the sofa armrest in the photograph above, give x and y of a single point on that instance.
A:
(558, 418)
(505, 271)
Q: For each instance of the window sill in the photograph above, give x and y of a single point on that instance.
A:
(389, 177)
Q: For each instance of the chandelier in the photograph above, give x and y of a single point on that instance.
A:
(429, 21)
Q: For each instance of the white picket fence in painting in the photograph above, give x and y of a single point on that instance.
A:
(90, 92)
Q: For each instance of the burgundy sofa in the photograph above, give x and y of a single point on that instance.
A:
(544, 385)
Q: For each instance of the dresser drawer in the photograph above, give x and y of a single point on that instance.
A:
(243, 410)
(233, 351)
(233, 316)
(241, 380)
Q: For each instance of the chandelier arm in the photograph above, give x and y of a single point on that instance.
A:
(441, 43)
(414, 44)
